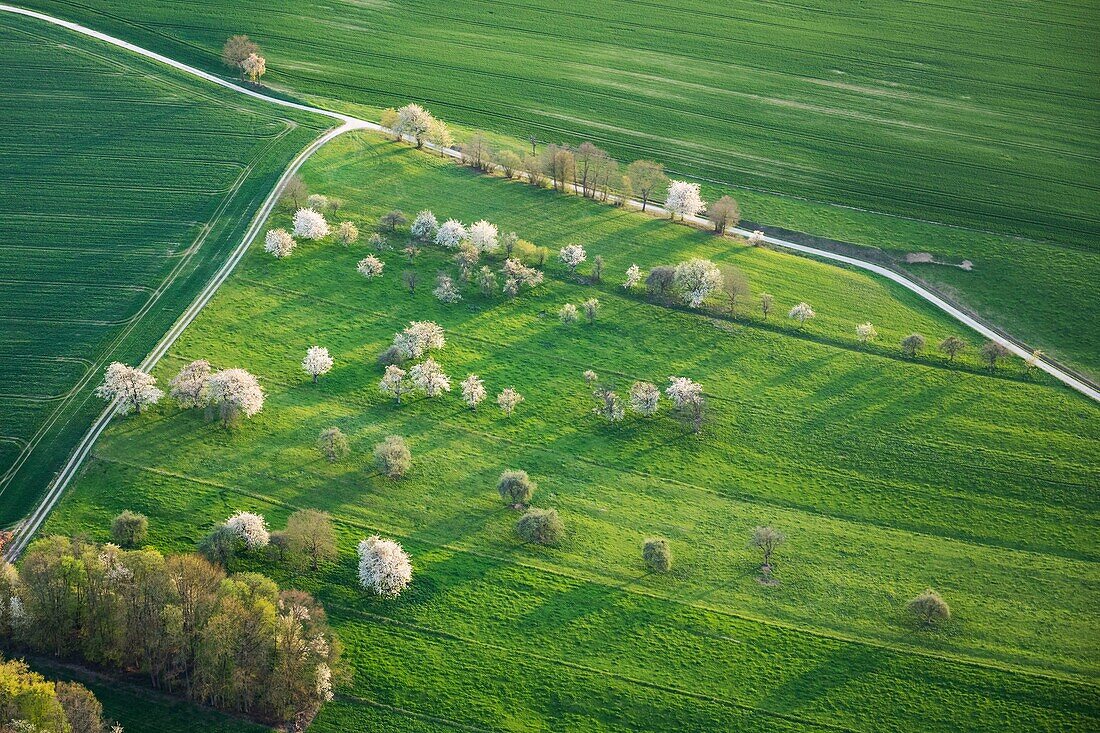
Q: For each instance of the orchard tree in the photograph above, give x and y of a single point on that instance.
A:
(254, 66)
(590, 377)
(310, 535)
(384, 567)
(517, 274)
(767, 300)
(250, 529)
(646, 178)
(409, 278)
(801, 313)
(234, 392)
(347, 233)
(1033, 360)
(486, 281)
(572, 255)
(294, 193)
(735, 285)
(388, 120)
(317, 202)
(424, 226)
(540, 526)
(473, 391)
(439, 135)
(633, 277)
(912, 344)
(133, 388)
(445, 290)
(516, 488)
(645, 398)
(317, 362)
(866, 333)
(186, 388)
(683, 198)
(568, 314)
(659, 280)
(657, 555)
(370, 267)
(508, 399)
(756, 238)
(688, 398)
(333, 444)
(483, 235)
(591, 308)
(279, 243)
(393, 219)
(413, 121)
(392, 457)
(418, 338)
(994, 352)
(466, 259)
(451, 233)
(236, 50)
(428, 377)
(766, 540)
(310, 224)
(395, 383)
(929, 609)
(129, 528)
(695, 280)
(724, 213)
(609, 406)
(510, 163)
(952, 346)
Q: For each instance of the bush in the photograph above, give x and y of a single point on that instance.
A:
(657, 555)
(129, 529)
(929, 609)
(541, 526)
(390, 357)
(516, 488)
(392, 456)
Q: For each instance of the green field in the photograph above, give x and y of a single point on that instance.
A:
(888, 474)
(913, 127)
(125, 186)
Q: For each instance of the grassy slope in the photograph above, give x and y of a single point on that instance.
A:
(877, 123)
(122, 187)
(888, 475)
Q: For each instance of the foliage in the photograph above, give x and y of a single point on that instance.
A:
(129, 529)
(392, 457)
(657, 555)
(516, 488)
(540, 526)
(333, 444)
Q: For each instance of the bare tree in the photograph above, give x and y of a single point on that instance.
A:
(236, 50)
(929, 608)
(993, 352)
(724, 213)
(767, 300)
(646, 178)
(912, 344)
(735, 285)
(309, 534)
(767, 539)
(952, 346)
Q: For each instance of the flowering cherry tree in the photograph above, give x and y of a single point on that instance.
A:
(424, 226)
(186, 388)
(866, 332)
(473, 391)
(645, 398)
(695, 280)
(429, 378)
(310, 224)
(347, 233)
(234, 392)
(682, 390)
(395, 382)
(133, 388)
(756, 238)
(683, 198)
(508, 399)
(445, 290)
(568, 314)
(483, 235)
(633, 277)
(370, 267)
(278, 242)
(572, 255)
(517, 274)
(317, 362)
(450, 234)
(418, 338)
(414, 121)
(384, 567)
(254, 66)
(801, 313)
(250, 528)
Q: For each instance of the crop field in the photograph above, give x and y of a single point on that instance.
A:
(913, 127)
(888, 474)
(123, 187)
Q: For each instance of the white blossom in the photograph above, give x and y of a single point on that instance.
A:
(645, 398)
(633, 277)
(425, 226)
(235, 392)
(568, 314)
(683, 198)
(756, 238)
(133, 388)
(429, 378)
(572, 255)
(517, 274)
(801, 313)
(310, 224)
(370, 267)
(590, 376)
(445, 290)
(682, 391)
(317, 362)
(278, 242)
(384, 567)
(414, 121)
(324, 683)
(695, 280)
(866, 332)
(508, 399)
(418, 338)
(254, 66)
(610, 407)
(250, 528)
(347, 232)
(186, 388)
(450, 233)
(483, 235)
(473, 391)
(395, 382)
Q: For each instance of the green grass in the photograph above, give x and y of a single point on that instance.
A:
(889, 475)
(124, 187)
(926, 127)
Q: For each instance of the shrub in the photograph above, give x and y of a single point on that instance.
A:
(541, 526)
(129, 528)
(392, 456)
(929, 609)
(657, 555)
(516, 488)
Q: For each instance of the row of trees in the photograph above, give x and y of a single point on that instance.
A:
(235, 642)
(29, 703)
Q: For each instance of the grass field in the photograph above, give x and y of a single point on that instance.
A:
(922, 126)
(889, 475)
(123, 187)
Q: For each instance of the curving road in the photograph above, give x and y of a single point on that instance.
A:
(31, 524)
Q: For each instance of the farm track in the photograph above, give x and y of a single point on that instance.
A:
(29, 526)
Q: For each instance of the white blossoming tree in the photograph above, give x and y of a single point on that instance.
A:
(317, 362)
(633, 277)
(186, 388)
(756, 238)
(310, 224)
(445, 289)
(414, 121)
(250, 528)
(865, 332)
(572, 255)
(508, 399)
(395, 382)
(254, 66)
(695, 280)
(133, 388)
(424, 226)
(645, 398)
(683, 198)
(347, 233)
(483, 235)
(370, 267)
(687, 396)
(384, 567)
(568, 314)
(473, 391)
(278, 242)
(801, 313)
(429, 378)
(418, 338)
(516, 274)
(451, 233)
(234, 392)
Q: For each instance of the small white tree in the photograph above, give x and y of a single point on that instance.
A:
(591, 308)
(424, 226)
(683, 198)
(395, 382)
(568, 314)
(590, 377)
(133, 388)
(483, 235)
(633, 277)
(473, 391)
(516, 274)
(445, 290)
(186, 388)
(278, 242)
(801, 313)
(756, 238)
(418, 338)
(370, 267)
(317, 362)
(695, 280)
(450, 234)
(234, 392)
(508, 399)
(645, 398)
(414, 121)
(439, 134)
(572, 255)
(250, 528)
(310, 224)
(317, 202)
(429, 378)
(384, 567)
(254, 66)
(682, 391)
(347, 233)
(866, 332)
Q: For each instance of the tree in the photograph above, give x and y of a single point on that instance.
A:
(572, 255)
(317, 362)
(486, 281)
(428, 377)
(476, 152)
(541, 526)
(591, 307)
(388, 120)
(317, 202)
(450, 234)
(445, 290)
(186, 388)
(236, 50)
(473, 391)
(392, 457)
(657, 555)
(735, 285)
(633, 277)
(559, 166)
(294, 192)
(687, 397)
(370, 267)
(516, 488)
(660, 279)
(1033, 360)
(695, 280)
(724, 213)
(508, 399)
(646, 178)
(516, 274)
(952, 346)
(220, 545)
(912, 344)
(683, 198)
(508, 242)
(413, 121)
(347, 233)
(483, 235)
(419, 338)
(409, 278)
(439, 135)
(250, 528)
(510, 163)
(866, 333)
(333, 444)
(279, 243)
(384, 567)
(83, 711)
(254, 67)
(129, 528)
(534, 168)
(234, 392)
(929, 609)
(568, 314)
(766, 539)
(590, 377)
(993, 352)
(597, 269)
(756, 238)
(133, 388)
(424, 226)
(801, 313)
(393, 219)
(310, 224)
(609, 405)
(767, 300)
(29, 703)
(310, 535)
(645, 398)
(395, 382)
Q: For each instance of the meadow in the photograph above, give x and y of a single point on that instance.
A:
(910, 127)
(125, 187)
(888, 474)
